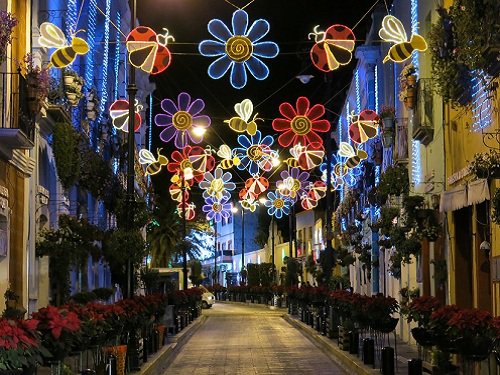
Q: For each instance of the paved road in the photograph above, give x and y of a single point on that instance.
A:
(247, 340)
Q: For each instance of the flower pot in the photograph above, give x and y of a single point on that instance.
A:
(386, 326)
(120, 352)
(423, 337)
(388, 123)
(411, 81)
(409, 101)
(68, 79)
(476, 348)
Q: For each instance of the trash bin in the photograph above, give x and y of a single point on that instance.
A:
(387, 360)
(368, 351)
(415, 366)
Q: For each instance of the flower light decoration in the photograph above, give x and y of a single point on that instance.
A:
(51, 36)
(340, 174)
(277, 204)
(217, 209)
(239, 50)
(242, 122)
(364, 126)
(256, 153)
(217, 185)
(393, 31)
(192, 158)
(300, 124)
(153, 164)
(148, 51)
(306, 157)
(333, 47)
(315, 191)
(119, 113)
(189, 210)
(183, 120)
(293, 183)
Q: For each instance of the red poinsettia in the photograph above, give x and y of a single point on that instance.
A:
(57, 321)
(421, 308)
(301, 124)
(19, 343)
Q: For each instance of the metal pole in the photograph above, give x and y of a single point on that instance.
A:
(242, 237)
(272, 247)
(131, 90)
(290, 236)
(184, 233)
(216, 277)
(294, 227)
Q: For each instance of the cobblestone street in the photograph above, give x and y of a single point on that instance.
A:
(237, 339)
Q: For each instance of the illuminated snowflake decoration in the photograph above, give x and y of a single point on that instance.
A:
(217, 185)
(238, 50)
(255, 153)
(182, 120)
(277, 204)
(217, 209)
(293, 183)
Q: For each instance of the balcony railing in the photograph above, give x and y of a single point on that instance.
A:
(401, 147)
(423, 127)
(17, 128)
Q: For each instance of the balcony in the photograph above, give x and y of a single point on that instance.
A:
(17, 128)
(423, 127)
(225, 256)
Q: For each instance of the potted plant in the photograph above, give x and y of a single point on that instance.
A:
(388, 117)
(37, 80)
(495, 205)
(486, 164)
(408, 86)
(420, 310)
(20, 349)
(7, 23)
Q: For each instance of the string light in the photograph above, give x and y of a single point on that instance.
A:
(376, 89)
(481, 103)
(358, 93)
(105, 63)
(150, 122)
(117, 54)
(71, 13)
(414, 28)
(415, 145)
(92, 22)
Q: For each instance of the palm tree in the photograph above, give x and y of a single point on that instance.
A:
(165, 234)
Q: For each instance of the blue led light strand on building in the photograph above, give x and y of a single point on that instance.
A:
(105, 63)
(92, 22)
(358, 93)
(117, 54)
(481, 103)
(414, 29)
(376, 89)
(71, 15)
(150, 122)
(415, 145)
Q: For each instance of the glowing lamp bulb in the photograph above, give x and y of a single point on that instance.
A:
(276, 162)
(188, 173)
(199, 131)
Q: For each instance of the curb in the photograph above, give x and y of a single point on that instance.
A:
(349, 363)
(162, 357)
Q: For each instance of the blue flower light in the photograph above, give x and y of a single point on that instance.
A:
(277, 204)
(239, 49)
(255, 153)
(217, 209)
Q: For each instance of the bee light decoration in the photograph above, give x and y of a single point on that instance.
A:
(154, 164)
(51, 36)
(393, 31)
(242, 122)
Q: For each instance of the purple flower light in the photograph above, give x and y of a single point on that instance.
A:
(182, 120)
(217, 209)
(294, 183)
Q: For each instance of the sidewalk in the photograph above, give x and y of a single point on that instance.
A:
(352, 362)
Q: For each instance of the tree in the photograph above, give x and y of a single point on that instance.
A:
(164, 234)
(196, 276)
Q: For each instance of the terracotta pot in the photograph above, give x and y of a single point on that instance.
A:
(68, 79)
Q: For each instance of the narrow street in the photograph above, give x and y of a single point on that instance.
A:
(238, 339)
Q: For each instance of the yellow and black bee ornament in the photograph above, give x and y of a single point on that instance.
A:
(393, 31)
(242, 122)
(51, 36)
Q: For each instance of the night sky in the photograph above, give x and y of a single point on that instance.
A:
(291, 21)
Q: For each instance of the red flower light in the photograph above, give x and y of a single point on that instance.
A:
(194, 157)
(300, 125)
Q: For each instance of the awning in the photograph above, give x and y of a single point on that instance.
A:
(453, 199)
(478, 191)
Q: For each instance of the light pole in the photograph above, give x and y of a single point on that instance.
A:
(131, 91)
(263, 201)
(215, 278)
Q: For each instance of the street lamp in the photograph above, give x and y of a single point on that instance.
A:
(215, 278)
(234, 209)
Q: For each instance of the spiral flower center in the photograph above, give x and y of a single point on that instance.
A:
(185, 164)
(254, 152)
(301, 125)
(296, 184)
(278, 203)
(217, 207)
(239, 48)
(182, 120)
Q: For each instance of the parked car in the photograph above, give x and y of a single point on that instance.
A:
(207, 298)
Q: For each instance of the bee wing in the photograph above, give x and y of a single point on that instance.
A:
(146, 157)
(346, 150)
(392, 30)
(224, 152)
(51, 36)
(244, 109)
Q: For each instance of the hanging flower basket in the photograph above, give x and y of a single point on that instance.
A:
(423, 336)
(476, 348)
